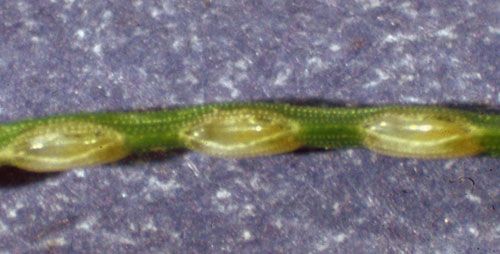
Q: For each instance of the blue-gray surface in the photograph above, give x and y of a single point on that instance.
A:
(67, 56)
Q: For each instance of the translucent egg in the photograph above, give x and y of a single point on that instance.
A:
(59, 146)
(420, 134)
(241, 133)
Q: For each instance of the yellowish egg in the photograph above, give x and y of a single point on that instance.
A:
(59, 146)
(420, 134)
(241, 133)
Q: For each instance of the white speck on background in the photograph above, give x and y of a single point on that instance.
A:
(247, 235)
(447, 33)
(35, 39)
(178, 43)
(107, 15)
(339, 237)
(241, 64)
(473, 230)
(447, 220)
(59, 241)
(334, 47)
(12, 213)
(80, 33)
(278, 224)
(381, 74)
(150, 225)
(165, 187)
(62, 197)
(391, 38)
(3, 228)
(282, 77)
(473, 198)
(406, 78)
(494, 30)
(155, 12)
(223, 194)
(370, 84)
(132, 226)
(411, 99)
(221, 200)
(336, 208)
(68, 3)
(316, 64)
(226, 82)
(369, 201)
(167, 8)
(248, 211)
(196, 43)
(86, 224)
(97, 49)
(369, 4)
(407, 8)
(322, 244)
(399, 37)
(137, 3)
(79, 173)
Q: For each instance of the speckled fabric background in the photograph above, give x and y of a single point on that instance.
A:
(68, 56)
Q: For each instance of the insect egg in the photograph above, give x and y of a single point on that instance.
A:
(241, 133)
(58, 146)
(420, 134)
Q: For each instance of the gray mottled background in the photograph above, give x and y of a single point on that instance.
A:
(67, 56)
